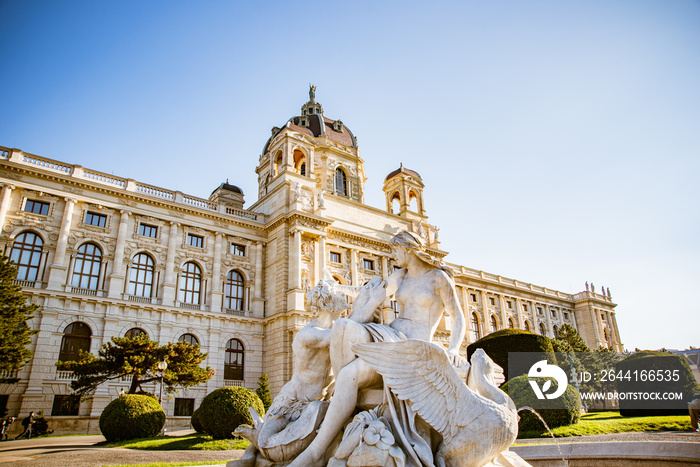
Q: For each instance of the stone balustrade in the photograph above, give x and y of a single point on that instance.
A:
(127, 185)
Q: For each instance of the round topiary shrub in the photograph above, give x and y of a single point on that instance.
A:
(224, 409)
(562, 411)
(196, 423)
(132, 416)
(654, 373)
(498, 344)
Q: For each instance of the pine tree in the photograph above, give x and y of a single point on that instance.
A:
(570, 335)
(263, 391)
(15, 335)
(138, 357)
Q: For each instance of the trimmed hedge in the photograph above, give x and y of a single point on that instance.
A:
(499, 343)
(132, 416)
(196, 423)
(644, 363)
(224, 409)
(565, 410)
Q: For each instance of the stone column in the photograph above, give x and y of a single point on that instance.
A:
(535, 322)
(548, 317)
(5, 202)
(169, 281)
(295, 296)
(216, 293)
(258, 306)
(519, 311)
(322, 258)
(486, 321)
(354, 279)
(57, 269)
(116, 279)
(295, 260)
(504, 315)
(467, 313)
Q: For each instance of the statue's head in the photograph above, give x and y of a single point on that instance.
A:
(327, 296)
(408, 240)
(413, 244)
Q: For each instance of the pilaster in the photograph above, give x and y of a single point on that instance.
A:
(5, 202)
(169, 282)
(116, 279)
(58, 268)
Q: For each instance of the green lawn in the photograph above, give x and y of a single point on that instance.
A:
(597, 423)
(195, 442)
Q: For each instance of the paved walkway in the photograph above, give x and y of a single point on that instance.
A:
(80, 451)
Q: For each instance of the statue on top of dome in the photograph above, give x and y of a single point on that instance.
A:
(312, 92)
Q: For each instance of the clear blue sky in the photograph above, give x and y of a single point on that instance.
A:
(559, 141)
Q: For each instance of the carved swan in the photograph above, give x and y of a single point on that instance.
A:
(476, 425)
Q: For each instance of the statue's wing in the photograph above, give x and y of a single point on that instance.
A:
(420, 372)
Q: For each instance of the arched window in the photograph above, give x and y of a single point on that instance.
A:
(86, 269)
(527, 325)
(235, 360)
(396, 203)
(141, 276)
(412, 202)
(476, 333)
(76, 337)
(605, 335)
(543, 330)
(189, 338)
(234, 291)
(556, 330)
(341, 182)
(190, 283)
(494, 324)
(26, 253)
(299, 162)
(278, 162)
(135, 332)
(511, 324)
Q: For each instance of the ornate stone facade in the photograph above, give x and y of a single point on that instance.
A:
(220, 272)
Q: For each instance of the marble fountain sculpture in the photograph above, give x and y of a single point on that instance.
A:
(368, 394)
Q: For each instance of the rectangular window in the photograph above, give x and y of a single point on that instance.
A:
(335, 257)
(238, 250)
(36, 207)
(195, 240)
(524, 307)
(93, 218)
(554, 313)
(65, 405)
(368, 264)
(510, 305)
(566, 315)
(472, 297)
(539, 310)
(492, 301)
(148, 230)
(183, 407)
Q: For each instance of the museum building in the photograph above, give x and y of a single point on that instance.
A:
(104, 256)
